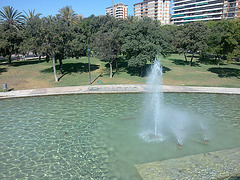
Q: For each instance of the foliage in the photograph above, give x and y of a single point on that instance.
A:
(10, 39)
(215, 40)
(107, 41)
(11, 22)
(192, 37)
(78, 39)
(231, 41)
(54, 39)
(224, 39)
(30, 16)
(32, 33)
(67, 13)
(142, 41)
(10, 16)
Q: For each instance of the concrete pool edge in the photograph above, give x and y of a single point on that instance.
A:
(111, 89)
(221, 164)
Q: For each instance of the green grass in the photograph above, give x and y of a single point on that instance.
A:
(202, 73)
(31, 74)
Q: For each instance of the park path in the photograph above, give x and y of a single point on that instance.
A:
(126, 88)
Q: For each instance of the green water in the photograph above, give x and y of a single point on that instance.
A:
(97, 136)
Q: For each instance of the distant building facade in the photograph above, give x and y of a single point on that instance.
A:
(119, 11)
(186, 11)
(231, 9)
(155, 9)
(79, 16)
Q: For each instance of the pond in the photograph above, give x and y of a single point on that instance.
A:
(100, 136)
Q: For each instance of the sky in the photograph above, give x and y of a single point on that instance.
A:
(51, 7)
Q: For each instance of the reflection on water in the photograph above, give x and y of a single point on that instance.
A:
(97, 136)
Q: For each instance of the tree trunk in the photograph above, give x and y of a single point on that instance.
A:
(111, 71)
(47, 58)
(185, 56)
(202, 56)
(141, 71)
(39, 58)
(218, 60)
(190, 64)
(116, 65)
(10, 59)
(54, 68)
(61, 64)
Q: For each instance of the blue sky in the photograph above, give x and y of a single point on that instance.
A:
(51, 7)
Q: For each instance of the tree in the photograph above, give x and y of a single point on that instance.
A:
(31, 15)
(32, 33)
(55, 38)
(78, 41)
(131, 19)
(193, 38)
(106, 40)
(10, 39)
(107, 47)
(224, 39)
(11, 17)
(67, 13)
(179, 42)
(231, 40)
(11, 22)
(143, 40)
(215, 40)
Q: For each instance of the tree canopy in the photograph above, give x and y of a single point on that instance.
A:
(11, 16)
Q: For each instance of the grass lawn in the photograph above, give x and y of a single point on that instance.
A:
(31, 74)
(202, 73)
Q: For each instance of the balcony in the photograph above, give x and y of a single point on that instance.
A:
(213, 10)
(197, 7)
(200, 16)
(192, 1)
(184, 4)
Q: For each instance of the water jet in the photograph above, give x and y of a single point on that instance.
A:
(163, 121)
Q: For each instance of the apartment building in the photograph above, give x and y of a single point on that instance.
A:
(155, 9)
(119, 11)
(231, 9)
(186, 11)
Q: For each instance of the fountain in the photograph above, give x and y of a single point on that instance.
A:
(86, 137)
(161, 121)
(96, 136)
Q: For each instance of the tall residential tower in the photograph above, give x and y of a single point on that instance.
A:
(204, 10)
(119, 11)
(231, 9)
(155, 9)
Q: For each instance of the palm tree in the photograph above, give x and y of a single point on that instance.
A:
(68, 14)
(10, 16)
(31, 15)
(131, 19)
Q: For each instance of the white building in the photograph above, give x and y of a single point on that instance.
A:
(119, 11)
(155, 9)
(186, 11)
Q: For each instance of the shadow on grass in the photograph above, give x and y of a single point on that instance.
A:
(72, 68)
(181, 62)
(3, 70)
(226, 72)
(26, 62)
(100, 75)
(209, 61)
(121, 61)
(237, 63)
(133, 71)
